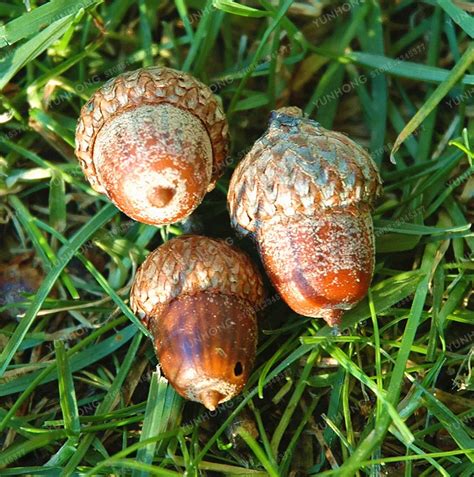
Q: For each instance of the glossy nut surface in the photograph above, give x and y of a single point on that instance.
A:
(206, 345)
(305, 193)
(154, 141)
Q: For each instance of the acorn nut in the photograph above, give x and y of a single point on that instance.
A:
(198, 297)
(18, 276)
(306, 193)
(154, 141)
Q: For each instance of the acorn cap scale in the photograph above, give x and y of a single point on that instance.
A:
(189, 264)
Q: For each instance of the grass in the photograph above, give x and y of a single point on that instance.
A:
(392, 394)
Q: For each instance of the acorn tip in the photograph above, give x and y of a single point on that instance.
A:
(332, 317)
(211, 398)
(161, 196)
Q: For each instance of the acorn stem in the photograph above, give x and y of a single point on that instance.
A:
(332, 317)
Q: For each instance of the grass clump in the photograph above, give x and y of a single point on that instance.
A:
(390, 395)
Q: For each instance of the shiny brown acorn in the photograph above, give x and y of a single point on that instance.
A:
(306, 194)
(198, 297)
(154, 141)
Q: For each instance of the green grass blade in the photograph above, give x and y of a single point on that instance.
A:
(40, 244)
(459, 16)
(35, 20)
(276, 20)
(65, 254)
(259, 453)
(378, 82)
(455, 426)
(57, 202)
(106, 404)
(404, 69)
(439, 93)
(162, 411)
(23, 54)
(235, 8)
(294, 400)
(376, 435)
(67, 393)
(14, 453)
(348, 364)
(79, 361)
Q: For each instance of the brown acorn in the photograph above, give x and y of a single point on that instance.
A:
(198, 297)
(19, 276)
(243, 421)
(154, 141)
(306, 193)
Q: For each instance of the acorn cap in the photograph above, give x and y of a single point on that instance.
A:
(299, 167)
(187, 265)
(150, 86)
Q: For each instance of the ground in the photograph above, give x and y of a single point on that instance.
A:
(388, 393)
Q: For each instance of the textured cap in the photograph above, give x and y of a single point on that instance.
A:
(189, 264)
(298, 167)
(150, 86)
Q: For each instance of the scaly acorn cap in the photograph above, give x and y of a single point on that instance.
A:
(189, 264)
(299, 167)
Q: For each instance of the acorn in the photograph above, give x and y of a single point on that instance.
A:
(198, 296)
(305, 194)
(243, 421)
(18, 277)
(154, 141)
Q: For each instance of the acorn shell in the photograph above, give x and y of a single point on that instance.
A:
(206, 345)
(298, 167)
(320, 265)
(199, 298)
